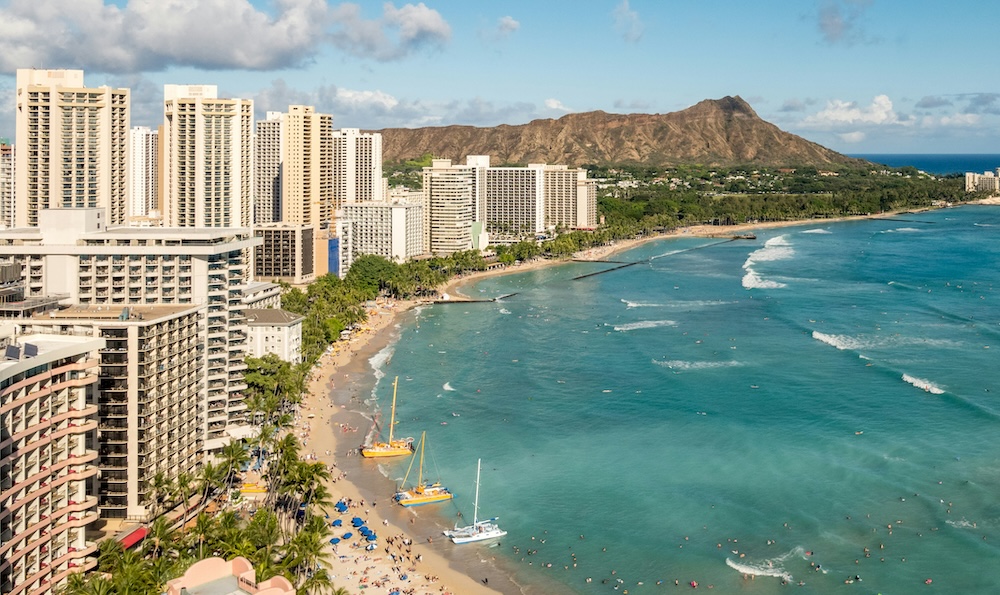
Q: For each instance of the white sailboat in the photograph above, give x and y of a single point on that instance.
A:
(478, 530)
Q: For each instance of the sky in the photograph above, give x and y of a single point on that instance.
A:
(857, 76)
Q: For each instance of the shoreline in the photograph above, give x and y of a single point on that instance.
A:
(339, 399)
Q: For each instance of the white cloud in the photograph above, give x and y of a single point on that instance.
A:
(957, 120)
(369, 98)
(507, 25)
(627, 22)
(374, 109)
(852, 137)
(838, 113)
(153, 35)
(555, 104)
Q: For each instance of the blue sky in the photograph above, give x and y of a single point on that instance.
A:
(858, 76)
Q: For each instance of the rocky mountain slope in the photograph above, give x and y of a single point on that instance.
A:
(723, 131)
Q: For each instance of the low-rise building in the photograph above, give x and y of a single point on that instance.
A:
(274, 331)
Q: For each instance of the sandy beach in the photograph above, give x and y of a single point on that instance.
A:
(334, 421)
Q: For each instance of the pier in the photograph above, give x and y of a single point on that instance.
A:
(461, 300)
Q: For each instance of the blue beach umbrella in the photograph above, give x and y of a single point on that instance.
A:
(337, 523)
(335, 540)
(348, 535)
(371, 537)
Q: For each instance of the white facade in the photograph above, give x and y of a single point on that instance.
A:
(145, 165)
(6, 185)
(357, 167)
(391, 230)
(207, 165)
(73, 146)
(275, 331)
(75, 257)
(515, 202)
(267, 170)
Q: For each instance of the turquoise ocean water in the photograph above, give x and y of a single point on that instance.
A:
(763, 407)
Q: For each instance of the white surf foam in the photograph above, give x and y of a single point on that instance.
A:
(962, 524)
(379, 359)
(642, 324)
(504, 311)
(777, 248)
(902, 230)
(676, 364)
(751, 280)
(681, 304)
(819, 231)
(671, 253)
(447, 386)
(759, 569)
(842, 342)
(923, 384)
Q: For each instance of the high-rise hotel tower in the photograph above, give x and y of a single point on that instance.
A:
(72, 146)
(208, 158)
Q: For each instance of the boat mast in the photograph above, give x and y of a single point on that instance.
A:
(392, 415)
(420, 471)
(475, 504)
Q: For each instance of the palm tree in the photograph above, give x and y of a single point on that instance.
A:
(161, 489)
(234, 456)
(184, 486)
(204, 528)
(109, 555)
(160, 534)
(211, 477)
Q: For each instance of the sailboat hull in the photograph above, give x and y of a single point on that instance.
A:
(396, 448)
(406, 499)
(479, 532)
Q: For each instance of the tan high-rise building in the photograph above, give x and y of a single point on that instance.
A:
(449, 206)
(207, 158)
(72, 146)
(570, 198)
(307, 173)
(357, 166)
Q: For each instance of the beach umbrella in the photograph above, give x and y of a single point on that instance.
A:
(371, 537)
(357, 522)
(335, 540)
(337, 523)
(348, 535)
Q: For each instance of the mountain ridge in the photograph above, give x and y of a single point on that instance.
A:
(715, 132)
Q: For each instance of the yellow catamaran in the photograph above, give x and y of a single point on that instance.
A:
(392, 448)
(422, 492)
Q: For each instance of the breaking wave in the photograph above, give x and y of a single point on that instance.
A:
(679, 304)
(447, 386)
(676, 364)
(819, 231)
(633, 326)
(925, 385)
(777, 248)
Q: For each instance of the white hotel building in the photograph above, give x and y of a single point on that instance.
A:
(394, 231)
